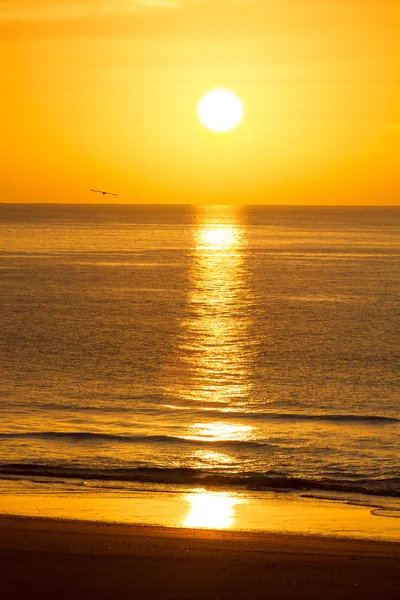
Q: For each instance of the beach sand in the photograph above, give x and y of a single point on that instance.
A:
(45, 558)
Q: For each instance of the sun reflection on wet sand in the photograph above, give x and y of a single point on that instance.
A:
(199, 509)
(211, 510)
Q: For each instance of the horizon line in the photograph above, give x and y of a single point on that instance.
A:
(198, 204)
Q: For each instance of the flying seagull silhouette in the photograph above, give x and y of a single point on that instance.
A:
(104, 193)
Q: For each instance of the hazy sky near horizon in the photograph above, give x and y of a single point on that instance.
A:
(103, 94)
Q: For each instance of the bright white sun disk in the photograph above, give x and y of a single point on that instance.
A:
(220, 110)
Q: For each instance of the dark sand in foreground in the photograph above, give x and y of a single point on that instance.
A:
(41, 558)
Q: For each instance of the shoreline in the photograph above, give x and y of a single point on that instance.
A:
(102, 560)
(314, 541)
(203, 509)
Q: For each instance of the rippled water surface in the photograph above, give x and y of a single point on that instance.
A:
(231, 346)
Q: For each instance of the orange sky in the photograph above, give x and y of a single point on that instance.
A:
(103, 93)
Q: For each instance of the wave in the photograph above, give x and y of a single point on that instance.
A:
(313, 417)
(87, 436)
(384, 512)
(190, 476)
(150, 404)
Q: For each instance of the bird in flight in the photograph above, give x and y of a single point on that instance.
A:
(104, 193)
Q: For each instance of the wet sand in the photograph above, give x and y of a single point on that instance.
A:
(47, 558)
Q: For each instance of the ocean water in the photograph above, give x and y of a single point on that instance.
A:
(232, 347)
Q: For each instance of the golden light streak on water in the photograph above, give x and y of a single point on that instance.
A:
(217, 237)
(211, 510)
(213, 343)
(210, 458)
(211, 367)
(220, 431)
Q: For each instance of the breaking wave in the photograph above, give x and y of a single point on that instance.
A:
(191, 476)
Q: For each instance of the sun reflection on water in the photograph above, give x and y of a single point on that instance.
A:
(217, 237)
(212, 459)
(214, 341)
(219, 431)
(211, 370)
(211, 510)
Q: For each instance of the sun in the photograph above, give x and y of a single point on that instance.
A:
(220, 110)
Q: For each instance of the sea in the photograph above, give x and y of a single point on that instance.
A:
(232, 347)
